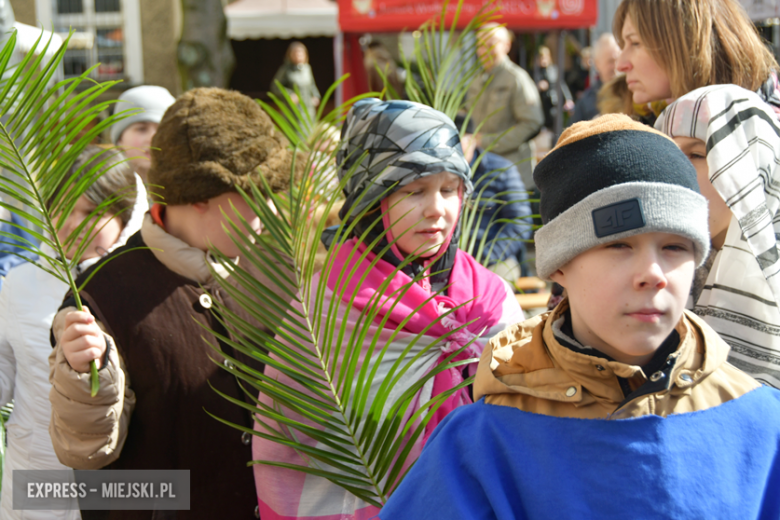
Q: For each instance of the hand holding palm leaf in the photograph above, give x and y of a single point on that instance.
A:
(39, 142)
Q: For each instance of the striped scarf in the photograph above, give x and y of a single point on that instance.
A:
(741, 296)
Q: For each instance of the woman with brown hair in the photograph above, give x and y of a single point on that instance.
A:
(671, 47)
(296, 72)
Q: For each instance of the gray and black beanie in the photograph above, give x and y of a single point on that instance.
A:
(612, 178)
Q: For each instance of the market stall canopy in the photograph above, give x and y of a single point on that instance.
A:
(27, 35)
(254, 19)
(399, 15)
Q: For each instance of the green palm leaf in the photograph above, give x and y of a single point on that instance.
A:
(439, 72)
(295, 122)
(363, 443)
(354, 415)
(39, 127)
(365, 419)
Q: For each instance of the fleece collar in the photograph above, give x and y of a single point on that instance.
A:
(177, 255)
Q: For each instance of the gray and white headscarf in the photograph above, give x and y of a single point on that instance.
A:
(741, 294)
(405, 141)
(392, 144)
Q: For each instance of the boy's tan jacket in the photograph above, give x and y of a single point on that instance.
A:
(525, 367)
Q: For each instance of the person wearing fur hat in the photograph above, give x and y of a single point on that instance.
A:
(404, 199)
(134, 133)
(149, 310)
(619, 403)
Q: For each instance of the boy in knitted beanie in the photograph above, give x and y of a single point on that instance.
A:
(150, 310)
(134, 134)
(587, 411)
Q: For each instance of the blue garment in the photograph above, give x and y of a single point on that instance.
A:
(10, 245)
(501, 182)
(486, 461)
(587, 106)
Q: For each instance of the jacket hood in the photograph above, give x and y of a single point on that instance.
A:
(527, 360)
(140, 208)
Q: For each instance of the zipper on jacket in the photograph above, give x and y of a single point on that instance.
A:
(662, 382)
(658, 371)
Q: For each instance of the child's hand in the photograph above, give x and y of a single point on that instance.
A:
(82, 341)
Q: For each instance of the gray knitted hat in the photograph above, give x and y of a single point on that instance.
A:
(154, 100)
(609, 179)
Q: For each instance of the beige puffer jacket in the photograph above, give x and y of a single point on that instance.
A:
(527, 368)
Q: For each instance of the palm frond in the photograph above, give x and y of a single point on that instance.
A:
(442, 66)
(344, 390)
(297, 124)
(333, 390)
(39, 142)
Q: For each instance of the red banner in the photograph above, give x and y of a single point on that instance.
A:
(399, 15)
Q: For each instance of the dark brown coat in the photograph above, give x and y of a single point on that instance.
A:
(157, 320)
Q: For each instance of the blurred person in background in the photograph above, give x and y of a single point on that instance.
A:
(546, 77)
(504, 210)
(605, 54)
(377, 56)
(296, 72)
(134, 134)
(512, 95)
(577, 76)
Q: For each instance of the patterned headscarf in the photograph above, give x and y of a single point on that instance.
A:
(405, 141)
(742, 137)
(741, 294)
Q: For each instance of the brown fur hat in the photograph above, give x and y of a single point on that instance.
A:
(212, 141)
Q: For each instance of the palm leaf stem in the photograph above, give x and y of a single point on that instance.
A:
(94, 378)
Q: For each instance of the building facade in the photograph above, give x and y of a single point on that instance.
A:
(129, 40)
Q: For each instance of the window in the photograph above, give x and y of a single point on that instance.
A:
(69, 6)
(110, 53)
(107, 6)
(107, 33)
